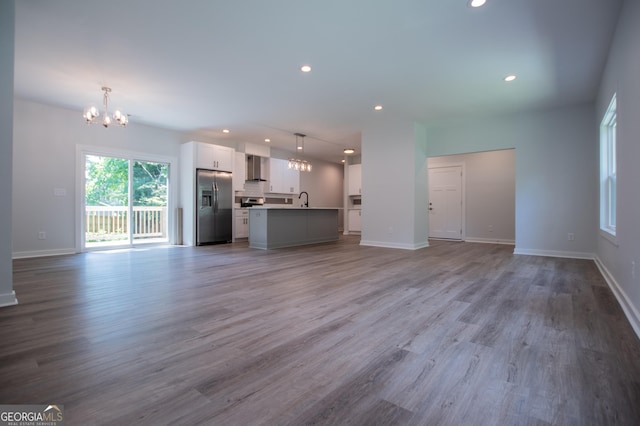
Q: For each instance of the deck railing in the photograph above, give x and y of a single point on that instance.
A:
(112, 222)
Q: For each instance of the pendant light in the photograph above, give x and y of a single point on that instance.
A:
(294, 163)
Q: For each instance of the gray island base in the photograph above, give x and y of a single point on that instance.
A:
(271, 227)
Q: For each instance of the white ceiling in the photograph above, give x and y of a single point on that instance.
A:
(213, 64)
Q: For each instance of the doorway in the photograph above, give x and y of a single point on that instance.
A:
(446, 203)
(125, 201)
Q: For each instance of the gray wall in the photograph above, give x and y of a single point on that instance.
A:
(490, 192)
(621, 76)
(7, 24)
(556, 172)
(324, 185)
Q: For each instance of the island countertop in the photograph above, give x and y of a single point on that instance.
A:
(293, 208)
(275, 227)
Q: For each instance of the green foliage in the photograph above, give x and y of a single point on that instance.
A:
(107, 182)
(150, 183)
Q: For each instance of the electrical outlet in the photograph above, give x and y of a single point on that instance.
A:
(42, 235)
(570, 236)
(490, 228)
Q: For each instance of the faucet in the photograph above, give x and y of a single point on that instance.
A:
(306, 204)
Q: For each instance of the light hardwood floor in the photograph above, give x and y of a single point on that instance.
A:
(455, 334)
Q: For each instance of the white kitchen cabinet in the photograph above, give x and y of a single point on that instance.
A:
(355, 220)
(282, 179)
(355, 179)
(239, 172)
(214, 157)
(242, 224)
(291, 179)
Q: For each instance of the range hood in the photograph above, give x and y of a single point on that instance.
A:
(254, 169)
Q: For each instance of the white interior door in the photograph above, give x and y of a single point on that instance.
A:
(445, 202)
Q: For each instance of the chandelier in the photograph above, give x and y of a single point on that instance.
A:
(118, 118)
(294, 163)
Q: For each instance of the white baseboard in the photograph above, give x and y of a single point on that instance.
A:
(632, 314)
(490, 241)
(554, 253)
(42, 253)
(8, 299)
(385, 244)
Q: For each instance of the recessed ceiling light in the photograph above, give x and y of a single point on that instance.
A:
(305, 68)
(267, 140)
(225, 130)
(510, 77)
(349, 151)
(477, 3)
(378, 107)
(342, 161)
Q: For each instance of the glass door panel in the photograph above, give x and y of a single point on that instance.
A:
(106, 201)
(150, 201)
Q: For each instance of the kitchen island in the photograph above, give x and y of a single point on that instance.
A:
(275, 227)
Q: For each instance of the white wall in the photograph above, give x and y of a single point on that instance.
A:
(394, 185)
(556, 172)
(621, 76)
(489, 193)
(44, 158)
(7, 24)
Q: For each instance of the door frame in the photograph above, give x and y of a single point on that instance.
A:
(463, 194)
(83, 150)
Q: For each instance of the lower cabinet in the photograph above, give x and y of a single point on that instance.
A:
(355, 220)
(242, 224)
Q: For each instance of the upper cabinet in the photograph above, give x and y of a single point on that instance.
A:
(355, 179)
(282, 179)
(214, 157)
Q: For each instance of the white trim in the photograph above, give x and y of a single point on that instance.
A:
(632, 314)
(8, 299)
(554, 253)
(491, 241)
(605, 234)
(42, 253)
(403, 246)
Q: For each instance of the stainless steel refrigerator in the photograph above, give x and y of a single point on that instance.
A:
(214, 207)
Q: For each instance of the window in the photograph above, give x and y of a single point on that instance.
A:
(608, 178)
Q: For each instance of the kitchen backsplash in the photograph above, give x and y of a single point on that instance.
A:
(253, 189)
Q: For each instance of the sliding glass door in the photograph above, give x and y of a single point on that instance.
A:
(125, 201)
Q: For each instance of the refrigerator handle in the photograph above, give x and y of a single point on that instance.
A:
(215, 197)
